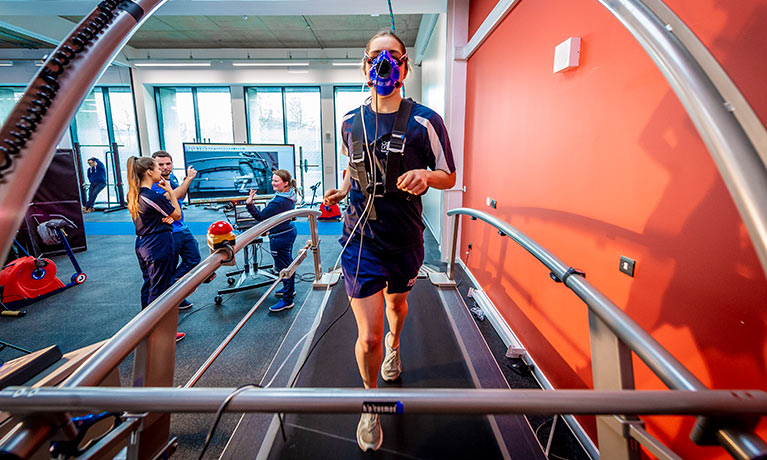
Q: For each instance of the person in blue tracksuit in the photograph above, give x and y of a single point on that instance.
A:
(152, 215)
(97, 176)
(281, 237)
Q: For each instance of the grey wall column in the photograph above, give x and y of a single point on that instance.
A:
(327, 109)
(239, 120)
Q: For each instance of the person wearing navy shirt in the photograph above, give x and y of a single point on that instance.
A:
(184, 243)
(283, 236)
(97, 177)
(384, 252)
(152, 215)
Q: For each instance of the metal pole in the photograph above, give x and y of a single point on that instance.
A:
(736, 157)
(288, 273)
(18, 400)
(50, 101)
(453, 247)
(315, 247)
(740, 443)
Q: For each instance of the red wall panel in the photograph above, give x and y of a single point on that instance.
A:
(603, 161)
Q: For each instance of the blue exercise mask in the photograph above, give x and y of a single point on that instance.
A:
(384, 72)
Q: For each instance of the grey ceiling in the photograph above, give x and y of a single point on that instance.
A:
(332, 31)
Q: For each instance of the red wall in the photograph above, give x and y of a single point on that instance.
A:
(603, 161)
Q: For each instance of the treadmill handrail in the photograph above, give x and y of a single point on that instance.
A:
(27, 400)
(27, 436)
(733, 149)
(98, 366)
(658, 359)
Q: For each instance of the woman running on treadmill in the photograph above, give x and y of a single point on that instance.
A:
(410, 152)
(152, 215)
(281, 237)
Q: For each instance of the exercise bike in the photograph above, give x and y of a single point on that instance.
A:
(29, 279)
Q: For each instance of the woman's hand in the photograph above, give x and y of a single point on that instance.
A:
(415, 181)
(333, 196)
(165, 185)
(251, 196)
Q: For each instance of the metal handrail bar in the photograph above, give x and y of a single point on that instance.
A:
(660, 361)
(284, 274)
(739, 443)
(98, 366)
(736, 157)
(20, 400)
(29, 135)
(27, 436)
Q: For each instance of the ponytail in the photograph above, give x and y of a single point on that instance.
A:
(137, 167)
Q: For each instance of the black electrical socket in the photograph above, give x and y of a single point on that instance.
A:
(627, 266)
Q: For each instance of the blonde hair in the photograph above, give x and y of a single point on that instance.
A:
(284, 174)
(137, 167)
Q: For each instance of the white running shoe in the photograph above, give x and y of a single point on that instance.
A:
(369, 433)
(391, 367)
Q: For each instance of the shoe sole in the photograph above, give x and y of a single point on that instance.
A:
(370, 447)
(394, 380)
(187, 307)
(280, 309)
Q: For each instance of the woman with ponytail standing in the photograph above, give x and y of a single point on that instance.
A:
(152, 215)
(281, 237)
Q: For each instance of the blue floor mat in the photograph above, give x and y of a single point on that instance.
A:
(198, 228)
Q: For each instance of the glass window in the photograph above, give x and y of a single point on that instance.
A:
(290, 115)
(214, 106)
(124, 126)
(302, 112)
(345, 98)
(95, 129)
(193, 115)
(177, 123)
(8, 99)
(266, 123)
(93, 138)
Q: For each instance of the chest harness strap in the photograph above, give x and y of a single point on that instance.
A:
(394, 156)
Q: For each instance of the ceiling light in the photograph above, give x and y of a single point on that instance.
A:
(268, 64)
(6, 63)
(347, 63)
(172, 64)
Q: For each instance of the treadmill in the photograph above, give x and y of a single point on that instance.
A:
(442, 347)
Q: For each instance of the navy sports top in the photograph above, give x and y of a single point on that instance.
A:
(399, 225)
(152, 207)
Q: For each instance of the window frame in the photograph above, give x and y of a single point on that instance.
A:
(285, 89)
(195, 105)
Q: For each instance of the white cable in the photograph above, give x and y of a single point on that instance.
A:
(363, 218)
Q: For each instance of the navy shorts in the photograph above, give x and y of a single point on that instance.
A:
(395, 272)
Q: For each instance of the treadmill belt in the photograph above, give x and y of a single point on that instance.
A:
(431, 358)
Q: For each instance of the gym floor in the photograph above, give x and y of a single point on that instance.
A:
(97, 309)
